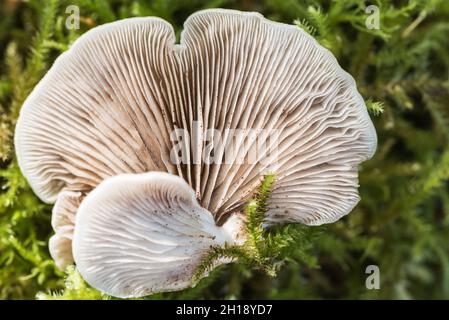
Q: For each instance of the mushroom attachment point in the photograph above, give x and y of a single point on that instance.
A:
(151, 148)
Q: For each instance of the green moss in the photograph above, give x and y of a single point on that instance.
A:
(75, 288)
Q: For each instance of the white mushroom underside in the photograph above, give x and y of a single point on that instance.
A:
(138, 234)
(109, 104)
(63, 222)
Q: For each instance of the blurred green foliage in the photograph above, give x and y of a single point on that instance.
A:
(402, 222)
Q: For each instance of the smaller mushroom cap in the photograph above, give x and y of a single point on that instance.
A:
(138, 234)
(63, 222)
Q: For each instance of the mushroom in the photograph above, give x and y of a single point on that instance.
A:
(144, 143)
(63, 223)
(142, 233)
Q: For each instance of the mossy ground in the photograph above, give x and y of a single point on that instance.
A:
(402, 221)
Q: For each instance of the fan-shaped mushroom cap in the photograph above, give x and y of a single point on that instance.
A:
(111, 104)
(138, 234)
(63, 222)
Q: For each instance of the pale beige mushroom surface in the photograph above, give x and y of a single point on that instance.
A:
(113, 104)
(149, 234)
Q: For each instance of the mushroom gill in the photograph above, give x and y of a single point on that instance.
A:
(125, 100)
(142, 233)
